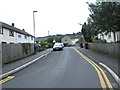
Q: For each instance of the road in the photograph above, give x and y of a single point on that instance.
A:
(59, 69)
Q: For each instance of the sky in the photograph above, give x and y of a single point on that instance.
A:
(55, 16)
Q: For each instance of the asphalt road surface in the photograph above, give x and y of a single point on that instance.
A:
(59, 69)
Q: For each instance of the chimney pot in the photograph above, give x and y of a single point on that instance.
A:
(23, 29)
(13, 24)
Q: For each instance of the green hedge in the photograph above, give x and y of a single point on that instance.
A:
(99, 41)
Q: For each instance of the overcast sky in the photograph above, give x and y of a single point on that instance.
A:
(55, 16)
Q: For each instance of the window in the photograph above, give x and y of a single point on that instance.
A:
(31, 38)
(109, 35)
(102, 37)
(65, 39)
(11, 33)
(3, 42)
(1, 30)
(25, 37)
(19, 36)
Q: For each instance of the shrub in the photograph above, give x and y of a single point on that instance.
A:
(46, 46)
(99, 41)
(95, 38)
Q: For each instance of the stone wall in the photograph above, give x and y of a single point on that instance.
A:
(108, 48)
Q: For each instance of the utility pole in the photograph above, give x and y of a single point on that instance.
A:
(48, 32)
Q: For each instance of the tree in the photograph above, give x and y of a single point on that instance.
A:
(50, 40)
(105, 17)
(42, 42)
(73, 33)
(58, 39)
(81, 40)
(86, 31)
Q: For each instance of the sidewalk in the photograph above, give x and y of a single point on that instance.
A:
(13, 65)
(111, 62)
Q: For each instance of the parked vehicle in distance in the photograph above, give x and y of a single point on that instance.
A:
(58, 46)
(69, 45)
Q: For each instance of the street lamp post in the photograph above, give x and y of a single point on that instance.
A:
(34, 29)
(81, 44)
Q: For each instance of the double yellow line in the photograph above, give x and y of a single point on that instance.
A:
(6, 79)
(102, 76)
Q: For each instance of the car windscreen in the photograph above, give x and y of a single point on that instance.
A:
(57, 45)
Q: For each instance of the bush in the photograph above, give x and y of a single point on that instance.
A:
(99, 41)
(41, 49)
(81, 40)
(50, 45)
(46, 46)
(95, 38)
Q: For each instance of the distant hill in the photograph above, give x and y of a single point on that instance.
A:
(57, 36)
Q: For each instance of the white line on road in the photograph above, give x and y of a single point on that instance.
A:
(111, 72)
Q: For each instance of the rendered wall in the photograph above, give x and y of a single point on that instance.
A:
(12, 52)
(108, 48)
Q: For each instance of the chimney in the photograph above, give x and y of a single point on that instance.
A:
(13, 24)
(23, 29)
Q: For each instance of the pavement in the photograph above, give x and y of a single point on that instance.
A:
(105, 60)
(13, 65)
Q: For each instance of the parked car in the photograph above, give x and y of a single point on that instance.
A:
(62, 45)
(69, 45)
(37, 45)
(58, 46)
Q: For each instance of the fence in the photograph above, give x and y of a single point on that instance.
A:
(108, 48)
(0, 55)
(12, 52)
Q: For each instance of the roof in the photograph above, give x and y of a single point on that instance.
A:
(4, 25)
(73, 36)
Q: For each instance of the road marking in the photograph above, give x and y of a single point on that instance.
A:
(21, 67)
(6, 79)
(99, 74)
(106, 78)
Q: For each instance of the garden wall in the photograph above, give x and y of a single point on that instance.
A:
(108, 48)
(12, 52)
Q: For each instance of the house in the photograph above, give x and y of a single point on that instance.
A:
(71, 39)
(66, 40)
(110, 37)
(11, 34)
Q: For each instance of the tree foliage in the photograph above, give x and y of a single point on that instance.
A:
(81, 40)
(104, 17)
(58, 39)
(86, 31)
(50, 40)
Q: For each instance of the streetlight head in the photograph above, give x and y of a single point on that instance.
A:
(34, 11)
(80, 24)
